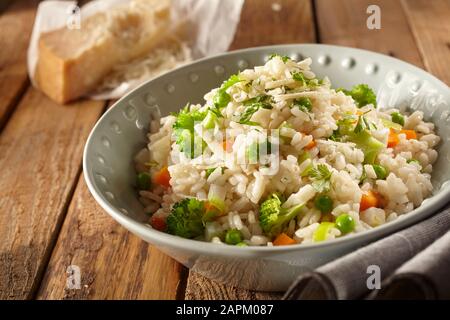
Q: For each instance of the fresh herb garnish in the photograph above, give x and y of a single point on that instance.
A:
(251, 106)
(300, 77)
(284, 58)
(222, 98)
(321, 177)
(304, 104)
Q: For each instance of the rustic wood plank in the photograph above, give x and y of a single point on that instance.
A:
(4, 4)
(344, 23)
(16, 24)
(201, 288)
(263, 22)
(430, 24)
(41, 149)
(114, 264)
(267, 22)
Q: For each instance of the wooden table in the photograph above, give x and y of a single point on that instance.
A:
(48, 219)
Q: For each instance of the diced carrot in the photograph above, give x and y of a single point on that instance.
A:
(158, 223)
(162, 177)
(368, 200)
(410, 134)
(283, 240)
(310, 145)
(392, 139)
(227, 145)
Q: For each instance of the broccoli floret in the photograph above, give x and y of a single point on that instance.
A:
(190, 143)
(273, 218)
(185, 219)
(362, 94)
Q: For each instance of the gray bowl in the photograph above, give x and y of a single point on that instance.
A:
(121, 132)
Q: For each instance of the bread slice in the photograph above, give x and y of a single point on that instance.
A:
(72, 62)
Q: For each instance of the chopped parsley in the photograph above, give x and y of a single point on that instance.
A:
(321, 177)
(222, 98)
(251, 106)
(304, 104)
(284, 58)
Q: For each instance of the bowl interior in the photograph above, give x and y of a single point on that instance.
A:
(121, 132)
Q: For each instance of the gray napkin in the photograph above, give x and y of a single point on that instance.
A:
(347, 277)
(423, 277)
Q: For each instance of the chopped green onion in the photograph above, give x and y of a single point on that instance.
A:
(345, 223)
(322, 230)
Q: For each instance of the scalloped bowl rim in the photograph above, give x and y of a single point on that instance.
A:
(433, 203)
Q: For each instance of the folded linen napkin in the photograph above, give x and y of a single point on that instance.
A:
(347, 277)
(423, 277)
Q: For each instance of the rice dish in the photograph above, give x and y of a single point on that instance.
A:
(276, 156)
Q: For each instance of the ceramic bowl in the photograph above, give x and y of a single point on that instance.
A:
(121, 132)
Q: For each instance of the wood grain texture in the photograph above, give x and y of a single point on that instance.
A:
(16, 24)
(114, 263)
(40, 153)
(4, 4)
(430, 22)
(267, 22)
(201, 288)
(263, 22)
(345, 23)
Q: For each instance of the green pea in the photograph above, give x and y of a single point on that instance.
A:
(380, 171)
(345, 223)
(323, 203)
(144, 181)
(398, 118)
(241, 244)
(233, 236)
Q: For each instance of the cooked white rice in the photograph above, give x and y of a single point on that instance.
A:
(243, 185)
